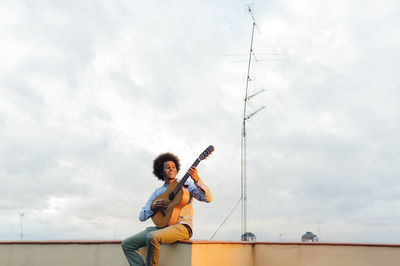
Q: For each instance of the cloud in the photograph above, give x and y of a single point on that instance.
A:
(91, 92)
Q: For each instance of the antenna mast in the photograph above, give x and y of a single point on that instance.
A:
(21, 225)
(246, 236)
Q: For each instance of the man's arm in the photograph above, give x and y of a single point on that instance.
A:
(199, 190)
(146, 211)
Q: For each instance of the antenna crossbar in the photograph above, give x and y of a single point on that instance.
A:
(255, 112)
(251, 96)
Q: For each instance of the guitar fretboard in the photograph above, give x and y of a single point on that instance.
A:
(183, 180)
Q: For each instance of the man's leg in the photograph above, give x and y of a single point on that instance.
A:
(166, 235)
(131, 245)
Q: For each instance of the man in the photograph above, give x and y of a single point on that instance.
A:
(165, 167)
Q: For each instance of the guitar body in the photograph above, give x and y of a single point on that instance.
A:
(170, 215)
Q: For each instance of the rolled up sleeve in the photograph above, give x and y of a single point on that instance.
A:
(201, 192)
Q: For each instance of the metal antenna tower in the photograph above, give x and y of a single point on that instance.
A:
(21, 225)
(246, 236)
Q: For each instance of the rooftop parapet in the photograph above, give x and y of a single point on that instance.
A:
(201, 253)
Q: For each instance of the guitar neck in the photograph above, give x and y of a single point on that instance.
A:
(185, 177)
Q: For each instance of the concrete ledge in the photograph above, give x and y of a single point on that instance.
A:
(201, 253)
(290, 243)
(61, 253)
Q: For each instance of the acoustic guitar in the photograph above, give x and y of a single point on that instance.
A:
(177, 196)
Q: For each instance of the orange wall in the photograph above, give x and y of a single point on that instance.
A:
(327, 255)
(201, 253)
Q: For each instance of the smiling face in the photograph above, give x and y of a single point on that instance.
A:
(169, 171)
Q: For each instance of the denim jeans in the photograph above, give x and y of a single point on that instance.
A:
(152, 237)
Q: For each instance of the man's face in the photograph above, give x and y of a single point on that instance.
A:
(169, 170)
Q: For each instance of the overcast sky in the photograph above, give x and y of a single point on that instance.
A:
(92, 91)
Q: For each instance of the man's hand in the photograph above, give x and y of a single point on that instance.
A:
(160, 203)
(193, 174)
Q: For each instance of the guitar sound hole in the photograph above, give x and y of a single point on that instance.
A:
(171, 196)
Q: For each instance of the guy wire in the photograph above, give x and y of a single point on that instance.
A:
(226, 219)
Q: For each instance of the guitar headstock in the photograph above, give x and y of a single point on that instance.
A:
(206, 152)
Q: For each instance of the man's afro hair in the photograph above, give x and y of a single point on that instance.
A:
(158, 164)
